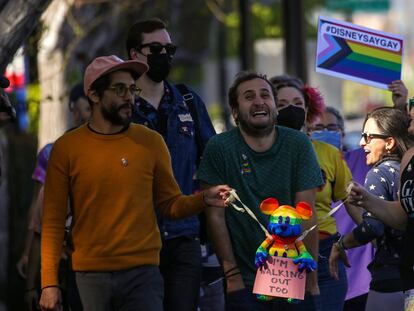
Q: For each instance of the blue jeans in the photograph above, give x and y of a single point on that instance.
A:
(180, 266)
(332, 291)
(139, 288)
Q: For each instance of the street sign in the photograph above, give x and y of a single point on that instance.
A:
(358, 5)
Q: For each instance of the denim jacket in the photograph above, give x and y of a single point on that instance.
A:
(181, 142)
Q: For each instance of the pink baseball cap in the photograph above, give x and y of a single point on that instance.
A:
(106, 64)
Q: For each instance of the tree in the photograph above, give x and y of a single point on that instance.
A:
(78, 31)
(74, 33)
(18, 18)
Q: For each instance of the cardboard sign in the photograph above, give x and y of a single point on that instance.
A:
(409, 300)
(281, 279)
(356, 53)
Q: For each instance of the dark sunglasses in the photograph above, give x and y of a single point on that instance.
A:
(156, 48)
(368, 136)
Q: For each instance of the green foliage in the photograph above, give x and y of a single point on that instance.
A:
(266, 21)
(188, 72)
(215, 111)
(33, 105)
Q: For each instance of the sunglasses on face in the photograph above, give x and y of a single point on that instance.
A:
(156, 48)
(121, 89)
(368, 136)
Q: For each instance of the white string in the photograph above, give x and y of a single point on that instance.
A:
(306, 232)
(233, 196)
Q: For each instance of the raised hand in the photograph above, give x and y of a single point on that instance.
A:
(358, 195)
(399, 93)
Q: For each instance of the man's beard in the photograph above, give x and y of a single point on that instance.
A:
(112, 115)
(259, 130)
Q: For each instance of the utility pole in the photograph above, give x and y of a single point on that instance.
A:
(246, 61)
(295, 38)
(222, 74)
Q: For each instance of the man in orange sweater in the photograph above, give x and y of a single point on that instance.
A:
(114, 173)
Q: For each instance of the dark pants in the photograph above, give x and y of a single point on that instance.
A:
(73, 297)
(310, 303)
(245, 300)
(212, 296)
(332, 291)
(356, 304)
(180, 266)
(139, 288)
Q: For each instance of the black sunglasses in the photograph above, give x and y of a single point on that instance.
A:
(156, 48)
(368, 136)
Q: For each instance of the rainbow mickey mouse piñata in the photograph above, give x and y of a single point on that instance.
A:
(284, 228)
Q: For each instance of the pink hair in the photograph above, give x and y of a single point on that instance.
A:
(315, 103)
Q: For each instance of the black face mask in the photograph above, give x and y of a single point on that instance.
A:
(291, 116)
(159, 66)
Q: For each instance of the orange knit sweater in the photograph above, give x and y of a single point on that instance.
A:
(114, 182)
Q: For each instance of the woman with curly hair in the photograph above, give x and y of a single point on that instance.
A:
(299, 106)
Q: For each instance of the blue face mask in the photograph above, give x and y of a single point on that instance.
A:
(330, 137)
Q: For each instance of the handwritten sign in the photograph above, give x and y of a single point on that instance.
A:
(409, 300)
(356, 53)
(281, 279)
